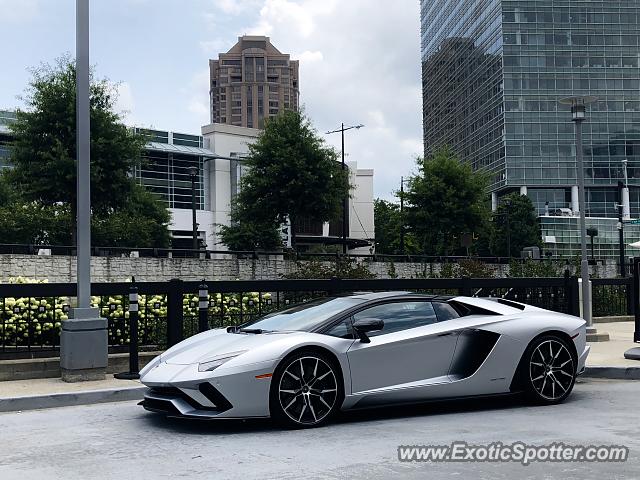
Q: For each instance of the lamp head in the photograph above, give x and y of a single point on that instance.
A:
(578, 106)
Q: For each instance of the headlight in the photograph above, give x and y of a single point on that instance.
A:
(151, 365)
(213, 363)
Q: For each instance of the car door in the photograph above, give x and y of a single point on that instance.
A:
(412, 349)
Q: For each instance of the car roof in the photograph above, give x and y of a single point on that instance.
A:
(368, 296)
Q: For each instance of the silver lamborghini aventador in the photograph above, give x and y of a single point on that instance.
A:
(301, 365)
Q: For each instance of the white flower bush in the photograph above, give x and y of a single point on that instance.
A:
(38, 321)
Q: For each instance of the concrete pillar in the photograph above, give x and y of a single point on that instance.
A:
(523, 190)
(626, 207)
(575, 203)
(494, 201)
(83, 346)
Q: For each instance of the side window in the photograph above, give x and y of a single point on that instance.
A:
(445, 311)
(341, 330)
(399, 316)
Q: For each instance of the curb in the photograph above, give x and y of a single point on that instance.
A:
(55, 400)
(614, 373)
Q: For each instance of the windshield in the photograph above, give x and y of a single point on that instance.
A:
(304, 317)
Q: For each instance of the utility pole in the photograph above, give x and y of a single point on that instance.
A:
(83, 152)
(83, 339)
(508, 204)
(401, 215)
(345, 200)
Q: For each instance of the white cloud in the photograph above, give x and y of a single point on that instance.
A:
(125, 103)
(214, 47)
(359, 63)
(307, 56)
(299, 17)
(230, 6)
(13, 12)
(198, 93)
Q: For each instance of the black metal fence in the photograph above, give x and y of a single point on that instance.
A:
(31, 314)
(613, 297)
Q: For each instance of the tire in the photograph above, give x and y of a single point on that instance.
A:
(306, 390)
(549, 370)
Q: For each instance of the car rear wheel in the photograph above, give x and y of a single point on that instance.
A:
(550, 370)
(306, 390)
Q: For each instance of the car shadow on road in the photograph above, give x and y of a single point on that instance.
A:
(436, 407)
(252, 426)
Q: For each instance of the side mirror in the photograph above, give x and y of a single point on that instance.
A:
(364, 325)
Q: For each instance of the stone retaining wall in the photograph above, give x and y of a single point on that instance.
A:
(57, 268)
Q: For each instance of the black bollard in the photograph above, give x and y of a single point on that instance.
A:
(134, 366)
(203, 307)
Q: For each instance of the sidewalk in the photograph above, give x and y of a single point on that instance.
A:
(606, 360)
(611, 353)
(53, 392)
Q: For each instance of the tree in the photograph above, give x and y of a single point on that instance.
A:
(515, 224)
(44, 150)
(445, 200)
(43, 157)
(32, 223)
(292, 175)
(142, 222)
(388, 222)
(250, 233)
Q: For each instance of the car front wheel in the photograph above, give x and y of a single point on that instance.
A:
(306, 390)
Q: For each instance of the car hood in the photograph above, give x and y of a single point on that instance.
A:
(216, 343)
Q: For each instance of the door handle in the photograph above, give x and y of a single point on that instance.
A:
(446, 334)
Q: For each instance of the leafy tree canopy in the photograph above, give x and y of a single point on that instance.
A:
(445, 199)
(248, 232)
(515, 222)
(388, 223)
(292, 174)
(42, 179)
(44, 151)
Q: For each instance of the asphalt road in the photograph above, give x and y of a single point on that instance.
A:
(122, 441)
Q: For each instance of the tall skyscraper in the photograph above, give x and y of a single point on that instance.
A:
(251, 82)
(493, 72)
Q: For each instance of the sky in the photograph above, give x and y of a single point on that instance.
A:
(359, 63)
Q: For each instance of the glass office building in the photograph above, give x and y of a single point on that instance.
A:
(164, 169)
(493, 72)
(5, 136)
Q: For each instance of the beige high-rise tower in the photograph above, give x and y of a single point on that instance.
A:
(251, 82)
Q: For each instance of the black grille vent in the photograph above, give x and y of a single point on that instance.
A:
(209, 391)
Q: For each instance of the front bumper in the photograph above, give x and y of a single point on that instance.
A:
(205, 402)
(182, 391)
(582, 359)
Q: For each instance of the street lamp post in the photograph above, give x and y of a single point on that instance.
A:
(345, 200)
(592, 232)
(193, 173)
(624, 213)
(621, 228)
(83, 339)
(578, 112)
(402, 180)
(508, 204)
